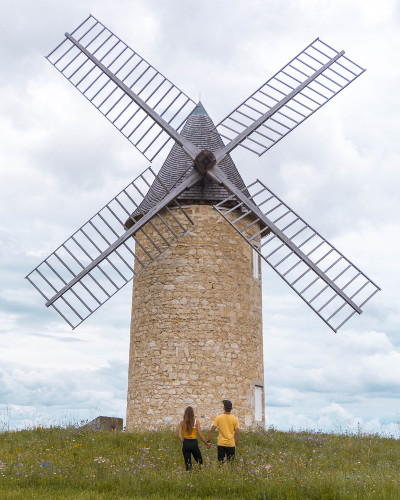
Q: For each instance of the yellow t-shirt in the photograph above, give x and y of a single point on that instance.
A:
(227, 425)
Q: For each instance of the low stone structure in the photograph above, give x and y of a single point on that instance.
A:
(106, 424)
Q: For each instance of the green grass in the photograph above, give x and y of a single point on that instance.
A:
(83, 464)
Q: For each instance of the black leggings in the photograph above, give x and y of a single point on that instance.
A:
(191, 447)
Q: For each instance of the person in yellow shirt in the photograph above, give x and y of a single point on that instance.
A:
(228, 436)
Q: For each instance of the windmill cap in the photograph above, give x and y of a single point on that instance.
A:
(227, 404)
(199, 110)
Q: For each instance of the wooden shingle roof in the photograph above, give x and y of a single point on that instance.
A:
(200, 130)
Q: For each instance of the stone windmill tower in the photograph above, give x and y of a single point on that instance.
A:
(192, 236)
(196, 334)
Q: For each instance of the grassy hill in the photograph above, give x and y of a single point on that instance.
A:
(82, 464)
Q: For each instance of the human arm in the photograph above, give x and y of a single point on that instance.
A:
(236, 436)
(180, 432)
(210, 434)
(198, 427)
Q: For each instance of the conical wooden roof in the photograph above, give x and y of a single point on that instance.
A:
(200, 130)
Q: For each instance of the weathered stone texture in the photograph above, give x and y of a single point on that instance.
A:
(105, 424)
(196, 330)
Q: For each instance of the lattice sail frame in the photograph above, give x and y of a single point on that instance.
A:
(173, 105)
(329, 305)
(149, 110)
(100, 232)
(309, 99)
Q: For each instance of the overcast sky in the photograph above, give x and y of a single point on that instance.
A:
(60, 161)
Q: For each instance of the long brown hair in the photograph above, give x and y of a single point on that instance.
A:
(188, 419)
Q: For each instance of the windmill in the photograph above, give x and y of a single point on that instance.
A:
(193, 235)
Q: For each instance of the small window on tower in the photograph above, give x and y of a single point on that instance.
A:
(256, 264)
(258, 399)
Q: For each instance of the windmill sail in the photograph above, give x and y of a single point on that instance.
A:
(326, 280)
(102, 256)
(115, 61)
(293, 94)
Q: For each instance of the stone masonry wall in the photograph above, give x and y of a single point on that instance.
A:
(196, 330)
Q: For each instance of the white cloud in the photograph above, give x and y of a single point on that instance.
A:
(332, 418)
(350, 363)
(64, 388)
(60, 161)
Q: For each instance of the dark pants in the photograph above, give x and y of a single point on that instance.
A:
(191, 447)
(229, 451)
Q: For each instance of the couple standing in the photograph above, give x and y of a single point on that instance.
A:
(228, 437)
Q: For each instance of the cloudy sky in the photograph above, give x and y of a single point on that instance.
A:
(60, 161)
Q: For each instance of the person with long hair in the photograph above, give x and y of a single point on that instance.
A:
(188, 428)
